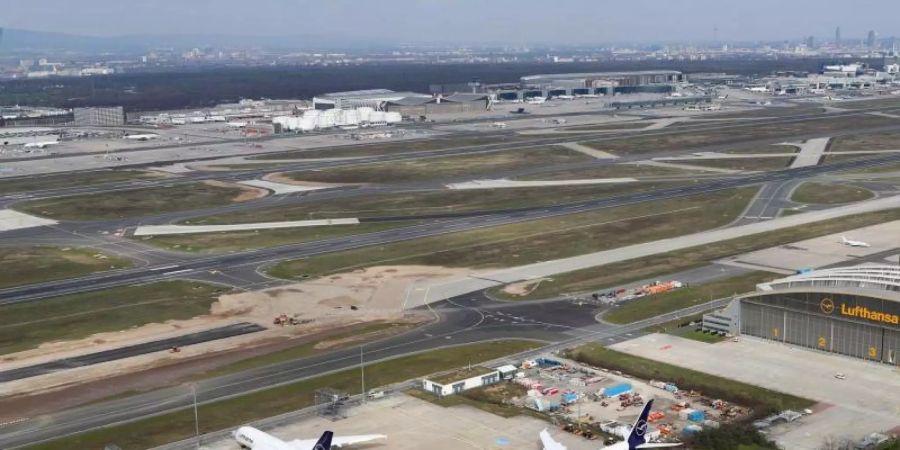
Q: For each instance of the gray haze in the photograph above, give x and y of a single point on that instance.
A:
(464, 21)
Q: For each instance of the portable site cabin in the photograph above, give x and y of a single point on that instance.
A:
(460, 380)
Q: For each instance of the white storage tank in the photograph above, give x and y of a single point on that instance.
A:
(364, 113)
(393, 117)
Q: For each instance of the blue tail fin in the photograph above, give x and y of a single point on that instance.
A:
(636, 437)
(324, 442)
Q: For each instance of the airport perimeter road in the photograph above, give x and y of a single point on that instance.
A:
(518, 143)
(459, 324)
(259, 257)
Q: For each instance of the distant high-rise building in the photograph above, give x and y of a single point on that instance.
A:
(870, 39)
(810, 42)
(837, 37)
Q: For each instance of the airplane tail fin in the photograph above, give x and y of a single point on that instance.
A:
(844, 239)
(324, 442)
(636, 437)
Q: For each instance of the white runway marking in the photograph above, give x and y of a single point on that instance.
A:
(159, 230)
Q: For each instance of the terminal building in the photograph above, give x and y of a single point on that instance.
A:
(99, 117)
(596, 83)
(853, 311)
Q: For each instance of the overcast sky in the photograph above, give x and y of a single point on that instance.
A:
(509, 21)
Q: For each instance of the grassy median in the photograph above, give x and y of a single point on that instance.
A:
(233, 241)
(27, 265)
(475, 165)
(604, 277)
(428, 202)
(235, 411)
(388, 148)
(538, 240)
(830, 194)
(137, 202)
(760, 399)
(654, 305)
(70, 180)
(27, 325)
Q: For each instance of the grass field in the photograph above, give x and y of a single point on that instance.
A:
(609, 171)
(709, 385)
(384, 148)
(26, 265)
(894, 167)
(694, 334)
(760, 164)
(539, 240)
(866, 141)
(764, 149)
(733, 135)
(609, 126)
(27, 325)
(233, 412)
(830, 194)
(428, 202)
(42, 183)
(654, 305)
(341, 338)
(230, 241)
(132, 203)
(474, 165)
(604, 277)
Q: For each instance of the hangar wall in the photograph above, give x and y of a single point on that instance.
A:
(853, 325)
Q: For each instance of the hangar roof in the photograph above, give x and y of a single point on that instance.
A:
(870, 277)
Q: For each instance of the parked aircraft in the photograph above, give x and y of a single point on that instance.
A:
(852, 243)
(141, 137)
(536, 100)
(636, 437)
(43, 144)
(253, 439)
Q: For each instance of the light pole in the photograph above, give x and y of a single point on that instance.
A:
(196, 416)
(362, 374)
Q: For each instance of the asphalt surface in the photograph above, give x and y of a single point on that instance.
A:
(465, 221)
(130, 351)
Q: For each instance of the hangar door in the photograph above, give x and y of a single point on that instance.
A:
(855, 339)
(762, 321)
(807, 330)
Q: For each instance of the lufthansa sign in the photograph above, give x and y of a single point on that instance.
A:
(827, 306)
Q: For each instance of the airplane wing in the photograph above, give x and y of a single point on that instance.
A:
(337, 441)
(659, 445)
(548, 443)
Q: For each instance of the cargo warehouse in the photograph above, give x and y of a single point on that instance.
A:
(853, 311)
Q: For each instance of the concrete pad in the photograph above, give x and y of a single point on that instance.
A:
(504, 183)
(691, 167)
(14, 220)
(280, 188)
(867, 401)
(811, 152)
(413, 424)
(592, 152)
(160, 230)
(821, 251)
(173, 168)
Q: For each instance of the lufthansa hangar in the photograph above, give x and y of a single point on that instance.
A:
(852, 311)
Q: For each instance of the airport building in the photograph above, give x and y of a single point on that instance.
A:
(597, 83)
(99, 117)
(853, 311)
(376, 99)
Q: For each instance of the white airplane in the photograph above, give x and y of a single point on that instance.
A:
(636, 439)
(852, 243)
(253, 439)
(237, 124)
(536, 100)
(565, 97)
(141, 137)
(43, 144)
(498, 125)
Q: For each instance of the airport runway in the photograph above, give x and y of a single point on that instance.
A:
(90, 359)
(463, 222)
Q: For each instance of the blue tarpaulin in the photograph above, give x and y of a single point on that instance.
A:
(617, 390)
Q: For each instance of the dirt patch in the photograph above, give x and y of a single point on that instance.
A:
(524, 288)
(280, 177)
(247, 193)
(363, 296)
